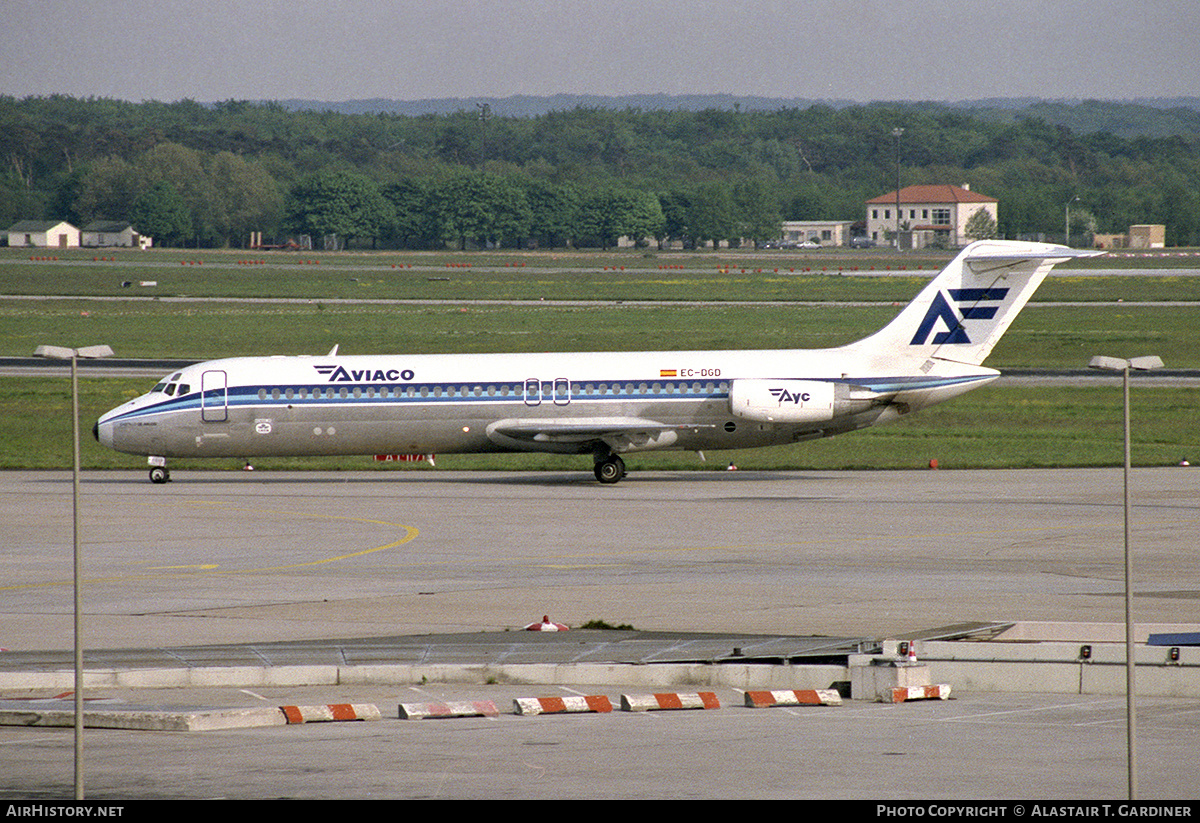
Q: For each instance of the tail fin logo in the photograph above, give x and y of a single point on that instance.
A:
(962, 305)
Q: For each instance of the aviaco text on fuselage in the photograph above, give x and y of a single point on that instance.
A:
(601, 404)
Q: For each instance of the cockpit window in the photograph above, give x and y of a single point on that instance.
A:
(170, 384)
(184, 388)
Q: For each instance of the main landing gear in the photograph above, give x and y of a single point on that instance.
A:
(609, 468)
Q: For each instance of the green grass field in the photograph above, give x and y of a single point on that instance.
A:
(1041, 337)
(678, 276)
(994, 426)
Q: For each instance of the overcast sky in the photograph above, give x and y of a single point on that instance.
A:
(860, 50)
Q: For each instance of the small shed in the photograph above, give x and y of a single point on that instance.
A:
(46, 234)
(1148, 236)
(111, 233)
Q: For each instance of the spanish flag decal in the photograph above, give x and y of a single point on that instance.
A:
(668, 372)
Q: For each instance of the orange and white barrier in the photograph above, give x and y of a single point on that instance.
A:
(901, 695)
(793, 697)
(331, 712)
(464, 708)
(560, 705)
(669, 700)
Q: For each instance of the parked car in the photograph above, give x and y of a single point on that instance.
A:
(862, 242)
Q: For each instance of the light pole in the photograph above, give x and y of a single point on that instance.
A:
(485, 114)
(896, 132)
(63, 353)
(1122, 365)
(1067, 222)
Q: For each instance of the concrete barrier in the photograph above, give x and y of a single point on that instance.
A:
(669, 700)
(331, 712)
(463, 708)
(561, 705)
(138, 720)
(793, 697)
(940, 691)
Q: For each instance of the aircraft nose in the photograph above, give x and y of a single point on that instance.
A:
(103, 432)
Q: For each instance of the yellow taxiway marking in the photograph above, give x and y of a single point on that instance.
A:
(410, 534)
(202, 567)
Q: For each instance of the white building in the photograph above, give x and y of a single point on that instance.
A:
(929, 215)
(45, 234)
(109, 233)
(824, 232)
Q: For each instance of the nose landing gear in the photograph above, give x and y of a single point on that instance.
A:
(158, 470)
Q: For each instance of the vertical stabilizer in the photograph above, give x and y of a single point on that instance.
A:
(962, 313)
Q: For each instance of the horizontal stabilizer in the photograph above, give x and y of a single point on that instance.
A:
(987, 251)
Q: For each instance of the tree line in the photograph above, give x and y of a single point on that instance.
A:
(196, 175)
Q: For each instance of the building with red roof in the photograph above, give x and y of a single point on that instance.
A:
(930, 216)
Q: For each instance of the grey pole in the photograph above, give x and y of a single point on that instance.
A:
(62, 353)
(1122, 365)
(896, 132)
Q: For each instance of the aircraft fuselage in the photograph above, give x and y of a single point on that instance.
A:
(245, 407)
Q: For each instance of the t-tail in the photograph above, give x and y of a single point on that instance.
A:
(963, 312)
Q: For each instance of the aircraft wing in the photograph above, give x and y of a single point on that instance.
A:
(580, 434)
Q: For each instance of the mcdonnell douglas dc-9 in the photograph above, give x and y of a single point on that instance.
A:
(602, 404)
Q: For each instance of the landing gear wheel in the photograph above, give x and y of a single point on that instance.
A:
(610, 470)
(159, 475)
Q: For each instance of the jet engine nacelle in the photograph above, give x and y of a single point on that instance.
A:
(783, 401)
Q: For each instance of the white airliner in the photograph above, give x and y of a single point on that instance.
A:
(602, 404)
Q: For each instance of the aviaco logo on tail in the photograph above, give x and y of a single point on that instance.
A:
(967, 302)
(339, 374)
(795, 398)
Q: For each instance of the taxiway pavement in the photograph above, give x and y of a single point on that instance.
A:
(242, 559)
(239, 557)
